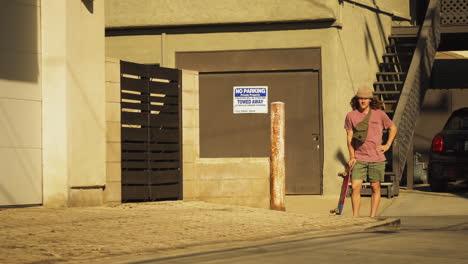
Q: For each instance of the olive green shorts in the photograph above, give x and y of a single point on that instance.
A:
(368, 171)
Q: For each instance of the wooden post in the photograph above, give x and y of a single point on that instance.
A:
(277, 157)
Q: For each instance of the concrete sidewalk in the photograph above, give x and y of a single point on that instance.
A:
(94, 234)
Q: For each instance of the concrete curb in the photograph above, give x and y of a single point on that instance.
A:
(389, 224)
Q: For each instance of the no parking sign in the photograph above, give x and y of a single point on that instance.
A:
(250, 99)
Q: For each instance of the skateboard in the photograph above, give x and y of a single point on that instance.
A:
(344, 191)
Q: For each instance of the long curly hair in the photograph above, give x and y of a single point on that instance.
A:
(374, 103)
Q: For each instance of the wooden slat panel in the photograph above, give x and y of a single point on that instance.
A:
(135, 192)
(134, 177)
(165, 165)
(134, 134)
(165, 135)
(163, 117)
(154, 164)
(163, 120)
(137, 179)
(136, 85)
(134, 164)
(155, 173)
(133, 146)
(167, 100)
(138, 106)
(130, 118)
(164, 73)
(165, 156)
(150, 156)
(165, 192)
(165, 176)
(141, 134)
(165, 108)
(133, 68)
(138, 97)
(153, 147)
(153, 177)
(145, 107)
(135, 156)
(164, 147)
(164, 88)
(158, 192)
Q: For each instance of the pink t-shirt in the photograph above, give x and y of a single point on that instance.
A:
(368, 151)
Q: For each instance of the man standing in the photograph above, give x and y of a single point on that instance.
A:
(364, 128)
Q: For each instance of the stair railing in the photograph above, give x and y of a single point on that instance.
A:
(415, 86)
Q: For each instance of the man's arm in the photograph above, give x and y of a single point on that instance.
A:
(391, 136)
(349, 139)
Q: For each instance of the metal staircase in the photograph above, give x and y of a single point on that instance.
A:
(402, 80)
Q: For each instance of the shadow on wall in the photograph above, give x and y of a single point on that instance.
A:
(89, 4)
(341, 157)
(19, 46)
(436, 104)
(371, 41)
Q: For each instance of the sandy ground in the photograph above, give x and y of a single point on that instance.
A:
(71, 235)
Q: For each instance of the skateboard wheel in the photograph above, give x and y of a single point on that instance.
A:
(342, 174)
(335, 211)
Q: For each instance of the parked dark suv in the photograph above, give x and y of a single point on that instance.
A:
(448, 160)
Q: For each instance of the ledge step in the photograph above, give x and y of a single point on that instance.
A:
(391, 73)
(388, 82)
(387, 92)
(392, 54)
(382, 184)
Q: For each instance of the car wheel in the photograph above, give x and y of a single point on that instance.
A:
(437, 184)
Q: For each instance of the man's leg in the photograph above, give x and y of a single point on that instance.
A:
(376, 176)
(356, 185)
(358, 175)
(375, 199)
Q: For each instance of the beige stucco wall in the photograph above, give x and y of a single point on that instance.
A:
(350, 56)
(148, 51)
(113, 191)
(241, 181)
(73, 102)
(20, 103)
(125, 13)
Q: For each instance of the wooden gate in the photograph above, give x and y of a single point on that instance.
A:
(151, 133)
